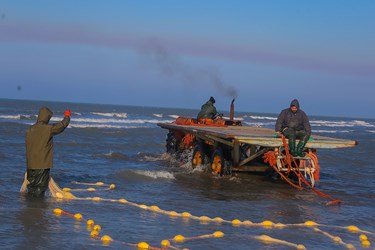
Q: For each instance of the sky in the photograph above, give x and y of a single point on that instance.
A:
(178, 53)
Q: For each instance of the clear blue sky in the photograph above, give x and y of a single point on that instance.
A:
(179, 53)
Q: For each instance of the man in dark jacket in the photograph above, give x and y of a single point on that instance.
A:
(208, 110)
(39, 150)
(294, 124)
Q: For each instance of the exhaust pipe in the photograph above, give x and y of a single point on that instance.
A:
(231, 116)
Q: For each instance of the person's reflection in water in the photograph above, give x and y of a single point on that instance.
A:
(34, 219)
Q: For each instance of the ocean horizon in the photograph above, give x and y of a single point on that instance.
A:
(183, 108)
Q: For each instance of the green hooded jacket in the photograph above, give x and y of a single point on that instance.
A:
(39, 140)
(208, 110)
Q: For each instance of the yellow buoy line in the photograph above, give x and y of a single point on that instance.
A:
(95, 230)
(336, 239)
(65, 194)
(267, 239)
(180, 238)
(66, 189)
(100, 184)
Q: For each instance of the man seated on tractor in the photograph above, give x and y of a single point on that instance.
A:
(294, 124)
(208, 111)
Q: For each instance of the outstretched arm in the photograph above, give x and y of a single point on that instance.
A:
(59, 127)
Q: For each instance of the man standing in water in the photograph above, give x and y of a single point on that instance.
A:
(39, 150)
(294, 124)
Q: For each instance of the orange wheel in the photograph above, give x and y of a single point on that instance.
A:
(217, 162)
(198, 156)
(219, 165)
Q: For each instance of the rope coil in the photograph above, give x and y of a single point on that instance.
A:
(309, 166)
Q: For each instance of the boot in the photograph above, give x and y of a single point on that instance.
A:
(300, 146)
(292, 147)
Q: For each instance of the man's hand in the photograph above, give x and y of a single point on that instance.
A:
(67, 113)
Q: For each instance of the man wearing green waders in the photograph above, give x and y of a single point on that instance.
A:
(39, 150)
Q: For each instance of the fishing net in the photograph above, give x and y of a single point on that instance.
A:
(55, 190)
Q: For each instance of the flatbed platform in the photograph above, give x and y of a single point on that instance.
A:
(264, 137)
(237, 148)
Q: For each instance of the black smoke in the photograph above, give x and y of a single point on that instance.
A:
(171, 65)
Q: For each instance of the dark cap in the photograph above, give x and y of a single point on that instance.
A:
(212, 99)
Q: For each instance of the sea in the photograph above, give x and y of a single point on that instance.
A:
(113, 159)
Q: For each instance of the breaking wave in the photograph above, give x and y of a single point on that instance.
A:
(156, 174)
(103, 126)
(122, 120)
(121, 115)
(255, 117)
(354, 123)
(331, 131)
(116, 155)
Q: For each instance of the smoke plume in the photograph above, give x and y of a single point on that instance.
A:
(172, 65)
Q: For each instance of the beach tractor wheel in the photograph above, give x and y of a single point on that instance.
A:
(218, 163)
(172, 143)
(199, 157)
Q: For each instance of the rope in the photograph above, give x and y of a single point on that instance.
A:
(270, 158)
(303, 179)
(290, 163)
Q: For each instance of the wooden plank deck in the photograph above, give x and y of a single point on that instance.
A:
(264, 137)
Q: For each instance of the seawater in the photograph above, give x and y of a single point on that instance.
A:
(122, 145)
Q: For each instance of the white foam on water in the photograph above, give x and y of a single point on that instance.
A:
(103, 120)
(109, 122)
(188, 167)
(199, 169)
(324, 131)
(259, 124)
(14, 117)
(96, 120)
(331, 131)
(255, 117)
(121, 115)
(354, 123)
(156, 174)
(120, 120)
(102, 126)
(174, 116)
(234, 118)
(18, 117)
(153, 158)
(110, 153)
